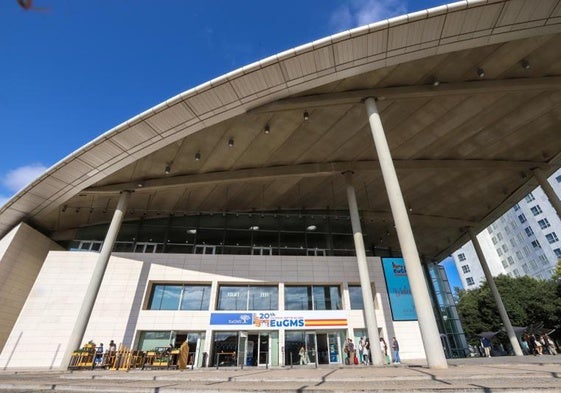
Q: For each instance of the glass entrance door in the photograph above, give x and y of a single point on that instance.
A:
(334, 348)
(311, 345)
(257, 350)
(242, 348)
(263, 348)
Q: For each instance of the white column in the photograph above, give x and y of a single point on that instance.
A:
(496, 295)
(548, 190)
(369, 311)
(97, 277)
(427, 322)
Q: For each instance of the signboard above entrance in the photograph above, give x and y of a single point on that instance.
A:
(280, 319)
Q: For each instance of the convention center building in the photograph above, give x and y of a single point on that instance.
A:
(297, 202)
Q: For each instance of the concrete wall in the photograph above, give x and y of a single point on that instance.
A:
(22, 252)
(39, 338)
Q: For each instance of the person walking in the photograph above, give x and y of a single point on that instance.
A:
(395, 349)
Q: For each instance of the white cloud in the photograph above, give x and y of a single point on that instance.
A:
(18, 178)
(362, 12)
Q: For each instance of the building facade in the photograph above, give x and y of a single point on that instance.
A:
(260, 285)
(524, 241)
(242, 216)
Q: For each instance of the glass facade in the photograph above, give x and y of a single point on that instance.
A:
(243, 297)
(452, 334)
(308, 297)
(179, 297)
(315, 233)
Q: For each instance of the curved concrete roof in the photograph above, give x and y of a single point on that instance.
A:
(465, 145)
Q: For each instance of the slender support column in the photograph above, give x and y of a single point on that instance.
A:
(549, 191)
(427, 322)
(97, 277)
(368, 300)
(496, 295)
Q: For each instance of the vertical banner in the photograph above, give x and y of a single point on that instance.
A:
(399, 291)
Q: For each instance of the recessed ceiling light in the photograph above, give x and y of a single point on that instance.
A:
(311, 228)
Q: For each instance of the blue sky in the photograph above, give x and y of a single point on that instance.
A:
(71, 70)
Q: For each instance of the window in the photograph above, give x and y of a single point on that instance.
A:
(247, 297)
(490, 230)
(529, 231)
(557, 252)
(355, 294)
(516, 207)
(516, 273)
(505, 248)
(558, 178)
(510, 261)
(507, 229)
(513, 242)
(526, 251)
(536, 244)
(179, 297)
(505, 264)
(462, 257)
(500, 252)
(494, 239)
(533, 264)
(536, 210)
(530, 197)
(544, 223)
(525, 268)
(465, 269)
(326, 297)
(469, 281)
(520, 237)
(499, 236)
(518, 255)
(522, 218)
(551, 237)
(543, 259)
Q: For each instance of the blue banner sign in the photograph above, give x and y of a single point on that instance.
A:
(399, 291)
(231, 318)
(280, 319)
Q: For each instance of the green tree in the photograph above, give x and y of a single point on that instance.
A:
(528, 301)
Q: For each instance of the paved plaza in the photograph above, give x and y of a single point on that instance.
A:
(500, 374)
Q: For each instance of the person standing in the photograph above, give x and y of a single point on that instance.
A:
(360, 349)
(395, 349)
(550, 345)
(384, 349)
(486, 346)
(366, 352)
(302, 354)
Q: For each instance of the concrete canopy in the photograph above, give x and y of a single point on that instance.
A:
(470, 99)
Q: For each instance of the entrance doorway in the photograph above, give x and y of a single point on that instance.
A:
(257, 353)
(319, 346)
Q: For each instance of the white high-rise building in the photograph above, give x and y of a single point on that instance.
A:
(524, 241)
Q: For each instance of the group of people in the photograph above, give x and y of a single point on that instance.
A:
(100, 351)
(364, 351)
(538, 344)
